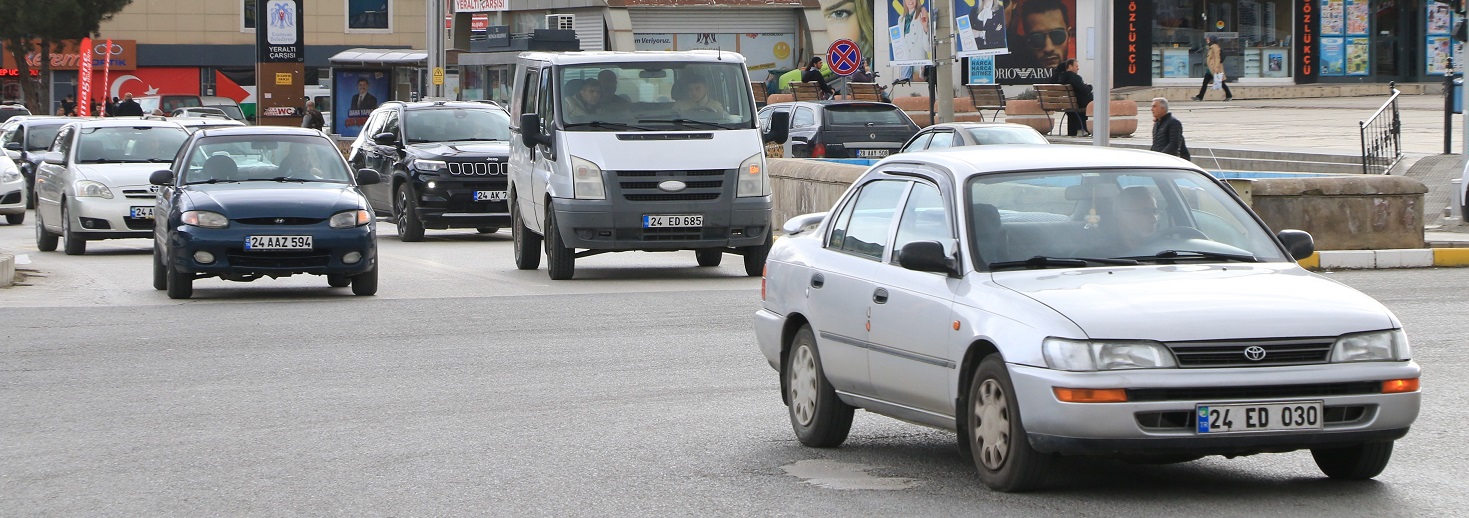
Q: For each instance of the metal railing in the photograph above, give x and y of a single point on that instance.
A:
(1382, 136)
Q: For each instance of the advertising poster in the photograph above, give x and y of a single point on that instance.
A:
(1175, 63)
(908, 33)
(653, 42)
(1439, 47)
(1275, 66)
(355, 93)
(1333, 56)
(851, 20)
(766, 52)
(705, 41)
(981, 28)
(1333, 18)
(1357, 17)
(1358, 51)
(1042, 34)
(1437, 52)
(982, 70)
(1439, 18)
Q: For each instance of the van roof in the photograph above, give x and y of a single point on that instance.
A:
(581, 57)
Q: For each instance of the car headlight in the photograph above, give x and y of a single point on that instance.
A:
(92, 189)
(1080, 355)
(205, 219)
(429, 166)
(351, 218)
(1390, 345)
(586, 180)
(10, 175)
(753, 180)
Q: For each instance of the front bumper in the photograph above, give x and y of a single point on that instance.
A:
(451, 204)
(103, 218)
(1158, 417)
(608, 225)
(13, 198)
(329, 246)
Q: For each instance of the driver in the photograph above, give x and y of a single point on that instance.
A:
(299, 163)
(696, 99)
(1134, 217)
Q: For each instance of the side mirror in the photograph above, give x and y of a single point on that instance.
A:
(14, 146)
(54, 157)
(802, 223)
(385, 139)
(530, 130)
(368, 177)
(780, 128)
(161, 177)
(1298, 242)
(926, 256)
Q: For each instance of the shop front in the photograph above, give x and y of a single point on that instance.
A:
(766, 36)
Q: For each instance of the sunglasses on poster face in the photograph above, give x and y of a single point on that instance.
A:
(1038, 40)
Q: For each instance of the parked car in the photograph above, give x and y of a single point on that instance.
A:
(230, 108)
(1094, 302)
(199, 111)
(957, 134)
(840, 129)
(11, 110)
(192, 124)
(165, 104)
(13, 192)
(93, 182)
(26, 138)
(262, 201)
(444, 164)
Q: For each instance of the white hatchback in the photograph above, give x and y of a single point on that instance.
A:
(1093, 302)
(12, 192)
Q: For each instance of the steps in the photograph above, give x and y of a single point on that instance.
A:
(1233, 159)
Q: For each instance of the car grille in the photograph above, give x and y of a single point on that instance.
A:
(476, 169)
(280, 260)
(138, 223)
(1355, 388)
(665, 136)
(139, 194)
(678, 234)
(701, 185)
(1233, 353)
(279, 221)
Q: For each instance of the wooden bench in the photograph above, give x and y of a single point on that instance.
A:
(1057, 99)
(865, 91)
(987, 97)
(806, 91)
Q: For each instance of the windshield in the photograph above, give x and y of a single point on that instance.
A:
(130, 144)
(455, 124)
(1163, 216)
(232, 112)
(40, 137)
(1002, 135)
(864, 115)
(663, 96)
(278, 158)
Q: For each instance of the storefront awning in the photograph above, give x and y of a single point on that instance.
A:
(380, 57)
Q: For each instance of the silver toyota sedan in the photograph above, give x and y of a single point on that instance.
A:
(1094, 302)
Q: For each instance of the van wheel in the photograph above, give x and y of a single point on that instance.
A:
(1359, 462)
(180, 284)
(819, 418)
(160, 270)
(755, 258)
(527, 243)
(997, 439)
(405, 212)
(73, 244)
(560, 260)
(45, 240)
(365, 284)
(709, 257)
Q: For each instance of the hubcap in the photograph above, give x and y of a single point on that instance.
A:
(515, 228)
(991, 430)
(402, 219)
(802, 385)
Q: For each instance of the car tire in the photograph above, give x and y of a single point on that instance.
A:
(819, 418)
(487, 230)
(560, 260)
(45, 240)
(527, 243)
(180, 284)
(338, 281)
(160, 270)
(365, 284)
(709, 257)
(997, 439)
(71, 243)
(755, 257)
(15, 219)
(1358, 462)
(405, 215)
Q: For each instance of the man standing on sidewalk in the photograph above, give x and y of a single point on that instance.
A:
(1167, 131)
(1215, 69)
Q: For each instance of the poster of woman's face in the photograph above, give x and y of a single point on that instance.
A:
(908, 35)
(981, 27)
(851, 20)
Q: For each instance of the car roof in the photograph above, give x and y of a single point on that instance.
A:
(42, 119)
(967, 125)
(837, 102)
(966, 161)
(286, 131)
(604, 56)
(421, 105)
(116, 122)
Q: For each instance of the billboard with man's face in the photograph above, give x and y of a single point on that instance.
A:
(1042, 34)
(355, 93)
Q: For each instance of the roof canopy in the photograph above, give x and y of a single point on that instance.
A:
(381, 57)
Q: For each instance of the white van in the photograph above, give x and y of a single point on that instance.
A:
(653, 151)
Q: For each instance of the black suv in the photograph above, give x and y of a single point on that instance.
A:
(443, 165)
(29, 136)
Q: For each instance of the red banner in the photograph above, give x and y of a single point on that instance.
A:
(106, 80)
(84, 85)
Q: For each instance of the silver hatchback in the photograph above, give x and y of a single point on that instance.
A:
(1094, 302)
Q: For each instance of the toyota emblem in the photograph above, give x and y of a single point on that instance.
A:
(1254, 353)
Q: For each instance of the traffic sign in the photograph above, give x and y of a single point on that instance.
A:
(843, 56)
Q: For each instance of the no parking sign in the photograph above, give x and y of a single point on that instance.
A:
(843, 56)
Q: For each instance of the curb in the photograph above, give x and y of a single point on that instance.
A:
(1376, 259)
(7, 270)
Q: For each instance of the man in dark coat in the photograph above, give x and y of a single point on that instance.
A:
(1069, 74)
(813, 75)
(1167, 131)
(128, 107)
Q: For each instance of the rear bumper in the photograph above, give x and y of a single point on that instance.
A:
(605, 225)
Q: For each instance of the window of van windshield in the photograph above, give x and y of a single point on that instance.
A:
(455, 125)
(130, 144)
(655, 96)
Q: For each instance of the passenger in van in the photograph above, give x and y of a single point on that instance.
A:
(585, 101)
(607, 83)
(695, 99)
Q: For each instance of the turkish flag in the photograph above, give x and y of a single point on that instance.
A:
(156, 81)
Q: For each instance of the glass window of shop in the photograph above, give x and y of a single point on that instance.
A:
(1254, 37)
(479, 83)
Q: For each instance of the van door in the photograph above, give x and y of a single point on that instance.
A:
(543, 158)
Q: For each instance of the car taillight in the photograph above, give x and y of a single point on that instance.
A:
(818, 151)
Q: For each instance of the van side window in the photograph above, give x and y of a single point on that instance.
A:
(544, 102)
(530, 93)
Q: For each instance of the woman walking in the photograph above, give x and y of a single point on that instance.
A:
(1215, 69)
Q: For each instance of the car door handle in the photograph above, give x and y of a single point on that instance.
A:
(880, 296)
(818, 281)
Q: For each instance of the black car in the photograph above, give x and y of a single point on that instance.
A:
(27, 137)
(12, 110)
(242, 203)
(444, 164)
(840, 129)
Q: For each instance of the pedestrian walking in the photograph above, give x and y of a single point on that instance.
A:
(313, 119)
(1167, 131)
(1069, 74)
(1214, 71)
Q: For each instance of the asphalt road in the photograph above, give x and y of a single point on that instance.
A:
(469, 388)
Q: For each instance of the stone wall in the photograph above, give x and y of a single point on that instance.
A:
(804, 186)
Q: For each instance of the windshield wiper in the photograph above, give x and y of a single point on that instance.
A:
(605, 124)
(1041, 261)
(212, 181)
(1197, 254)
(475, 139)
(687, 122)
(279, 179)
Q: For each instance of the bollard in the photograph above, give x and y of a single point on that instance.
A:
(1455, 207)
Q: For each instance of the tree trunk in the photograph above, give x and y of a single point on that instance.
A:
(46, 75)
(28, 95)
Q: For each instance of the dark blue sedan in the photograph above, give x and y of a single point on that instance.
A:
(244, 203)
